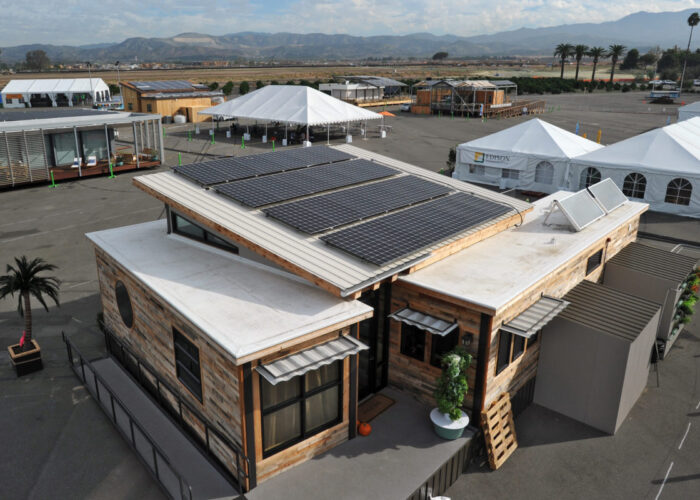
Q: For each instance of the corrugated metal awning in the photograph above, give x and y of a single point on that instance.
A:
(532, 319)
(431, 324)
(301, 362)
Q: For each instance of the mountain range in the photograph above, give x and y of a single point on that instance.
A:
(642, 30)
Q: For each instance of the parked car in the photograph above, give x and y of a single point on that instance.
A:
(405, 107)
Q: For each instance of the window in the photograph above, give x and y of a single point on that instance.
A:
(184, 227)
(476, 169)
(634, 185)
(504, 339)
(301, 407)
(512, 347)
(544, 173)
(594, 261)
(149, 108)
(124, 304)
(412, 342)
(509, 173)
(678, 192)
(187, 364)
(441, 345)
(533, 340)
(518, 346)
(130, 106)
(589, 177)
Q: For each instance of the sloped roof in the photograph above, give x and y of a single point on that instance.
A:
(536, 137)
(655, 261)
(673, 149)
(291, 104)
(57, 85)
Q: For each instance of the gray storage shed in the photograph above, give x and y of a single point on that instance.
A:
(596, 354)
(654, 274)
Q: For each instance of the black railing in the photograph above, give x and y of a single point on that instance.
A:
(195, 424)
(165, 473)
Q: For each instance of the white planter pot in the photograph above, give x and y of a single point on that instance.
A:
(447, 428)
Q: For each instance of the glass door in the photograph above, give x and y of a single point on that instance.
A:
(373, 363)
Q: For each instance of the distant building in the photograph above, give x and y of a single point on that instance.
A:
(55, 92)
(168, 98)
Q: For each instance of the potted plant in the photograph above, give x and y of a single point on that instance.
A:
(448, 418)
(23, 278)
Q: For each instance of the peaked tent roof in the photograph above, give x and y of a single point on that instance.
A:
(673, 149)
(57, 85)
(291, 104)
(535, 137)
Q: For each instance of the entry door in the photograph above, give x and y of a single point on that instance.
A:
(373, 369)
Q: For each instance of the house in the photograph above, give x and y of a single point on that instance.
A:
(55, 92)
(283, 288)
(169, 98)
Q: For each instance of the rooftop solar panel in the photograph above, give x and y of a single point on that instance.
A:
(580, 209)
(403, 233)
(607, 194)
(289, 185)
(321, 213)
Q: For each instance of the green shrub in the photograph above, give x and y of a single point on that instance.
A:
(452, 384)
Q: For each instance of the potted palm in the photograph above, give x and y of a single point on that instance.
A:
(24, 280)
(448, 418)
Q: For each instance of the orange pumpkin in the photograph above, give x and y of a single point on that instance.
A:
(364, 429)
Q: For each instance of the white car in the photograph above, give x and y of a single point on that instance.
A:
(405, 107)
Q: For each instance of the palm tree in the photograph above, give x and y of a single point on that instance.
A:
(563, 51)
(23, 279)
(596, 53)
(579, 51)
(615, 52)
(693, 21)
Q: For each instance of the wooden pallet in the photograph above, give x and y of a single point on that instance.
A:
(499, 431)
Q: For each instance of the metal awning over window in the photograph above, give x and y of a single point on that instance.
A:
(532, 319)
(301, 362)
(424, 322)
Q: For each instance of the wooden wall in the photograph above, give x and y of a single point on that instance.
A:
(170, 107)
(130, 96)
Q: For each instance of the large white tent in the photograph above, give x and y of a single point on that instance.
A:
(533, 155)
(689, 111)
(660, 167)
(292, 105)
(17, 93)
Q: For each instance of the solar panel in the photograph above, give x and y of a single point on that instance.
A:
(318, 155)
(607, 194)
(206, 173)
(321, 213)
(162, 85)
(403, 233)
(288, 185)
(580, 209)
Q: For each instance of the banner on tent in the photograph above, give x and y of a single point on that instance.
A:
(499, 160)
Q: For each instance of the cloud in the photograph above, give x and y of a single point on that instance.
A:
(80, 22)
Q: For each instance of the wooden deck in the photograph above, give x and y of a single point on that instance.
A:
(382, 102)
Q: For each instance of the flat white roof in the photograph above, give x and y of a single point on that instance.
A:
(495, 271)
(55, 85)
(243, 306)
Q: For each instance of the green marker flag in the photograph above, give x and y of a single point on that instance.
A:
(242, 143)
(111, 172)
(212, 140)
(273, 144)
(53, 182)
(179, 159)
(453, 115)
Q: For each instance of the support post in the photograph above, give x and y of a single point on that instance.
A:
(29, 162)
(249, 423)
(77, 152)
(161, 133)
(352, 413)
(109, 152)
(482, 367)
(46, 156)
(9, 159)
(136, 146)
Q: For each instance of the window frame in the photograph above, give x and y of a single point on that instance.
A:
(300, 400)
(675, 192)
(513, 355)
(588, 176)
(119, 284)
(413, 330)
(594, 261)
(439, 338)
(544, 171)
(199, 394)
(510, 173)
(206, 234)
(634, 184)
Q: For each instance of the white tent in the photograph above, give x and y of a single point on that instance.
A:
(533, 155)
(18, 92)
(661, 167)
(689, 111)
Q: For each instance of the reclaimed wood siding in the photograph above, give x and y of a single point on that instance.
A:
(556, 284)
(151, 339)
(419, 378)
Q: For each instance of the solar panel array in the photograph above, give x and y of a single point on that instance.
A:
(163, 85)
(607, 194)
(321, 213)
(236, 168)
(580, 209)
(268, 189)
(403, 233)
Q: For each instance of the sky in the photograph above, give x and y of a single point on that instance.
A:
(81, 22)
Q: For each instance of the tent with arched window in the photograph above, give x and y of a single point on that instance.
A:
(533, 156)
(660, 167)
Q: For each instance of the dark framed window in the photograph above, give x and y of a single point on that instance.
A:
(149, 108)
(130, 106)
(589, 176)
(301, 407)
(124, 304)
(413, 342)
(504, 339)
(189, 229)
(544, 173)
(679, 191)
(441, 345)
(187, 364)
(518, 346)
(509, 173)
(594, 261)
(634, 185)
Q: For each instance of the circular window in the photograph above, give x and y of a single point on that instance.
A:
(124, 304)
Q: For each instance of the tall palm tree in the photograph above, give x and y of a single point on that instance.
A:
(579, 51)
(23, 278)
(563, 51)
(615, 52)
(693, 21)
(597, 53)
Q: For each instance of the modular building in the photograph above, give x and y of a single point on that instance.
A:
(169, 98)
(283, 288)
(55, 92)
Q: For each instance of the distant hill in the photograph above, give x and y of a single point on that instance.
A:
(642, 30)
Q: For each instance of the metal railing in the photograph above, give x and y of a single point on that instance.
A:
(204, 433)
(165, 473)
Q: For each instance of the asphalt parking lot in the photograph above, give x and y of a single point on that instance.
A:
(58, 444)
